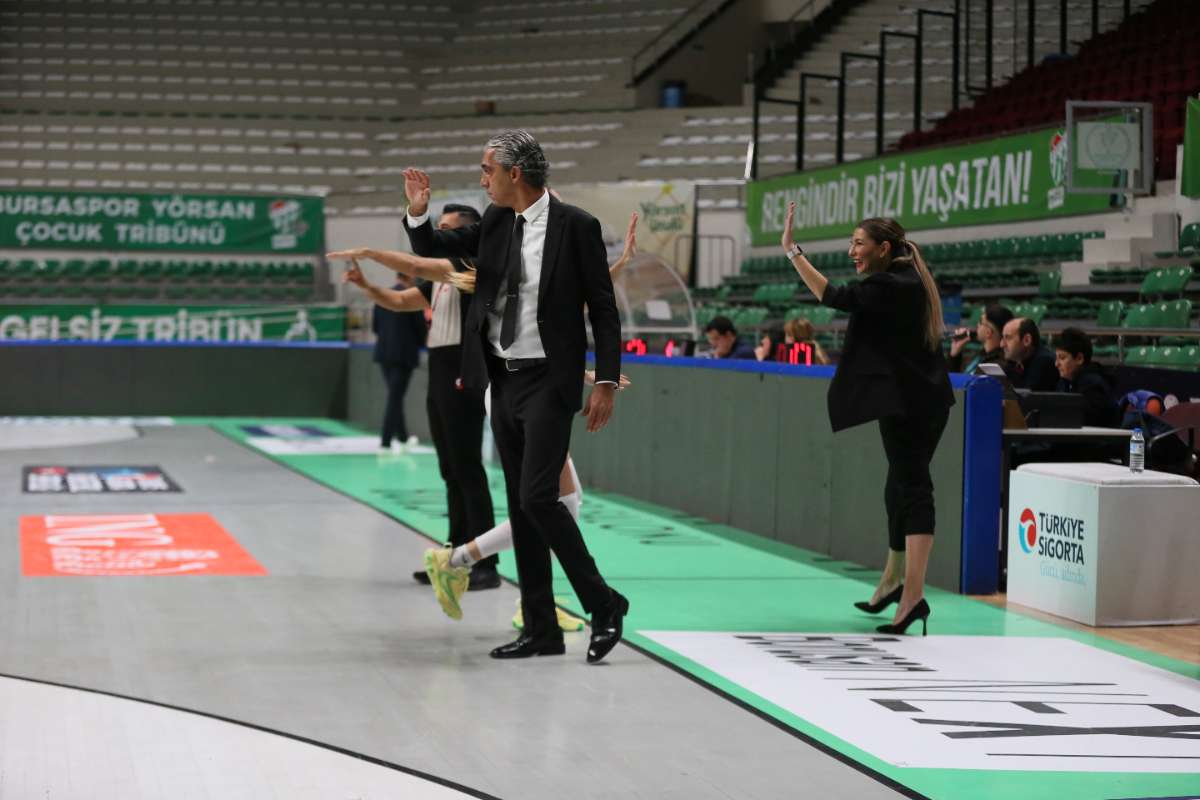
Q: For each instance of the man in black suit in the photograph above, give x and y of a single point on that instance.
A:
(540, 262)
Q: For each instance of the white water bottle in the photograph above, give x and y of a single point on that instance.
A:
(1137, 451)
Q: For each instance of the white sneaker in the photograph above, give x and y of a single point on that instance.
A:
(411, 442)
(398, 448)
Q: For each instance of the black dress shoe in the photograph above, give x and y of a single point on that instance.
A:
(527, 646)
(421, 576)
(483, 577)
(918, 612)
(874, 608)
(606, 628)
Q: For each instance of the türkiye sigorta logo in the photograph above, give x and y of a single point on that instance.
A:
(1028, 531)
(1052, 536)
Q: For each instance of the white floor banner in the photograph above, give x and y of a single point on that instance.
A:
(967, 702)
(326, 446)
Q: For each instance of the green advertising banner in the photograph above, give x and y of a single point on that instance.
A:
(162, 323)
(1189, 185)
(194, 223)
(1007, 179)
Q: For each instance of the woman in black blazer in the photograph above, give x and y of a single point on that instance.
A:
(891, 370)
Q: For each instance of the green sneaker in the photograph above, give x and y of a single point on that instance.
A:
(449, 583)
(567, 622)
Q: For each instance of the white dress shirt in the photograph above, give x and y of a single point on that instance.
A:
(528, 341)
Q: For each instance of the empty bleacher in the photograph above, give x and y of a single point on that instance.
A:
(157, 279)
(1148, 58)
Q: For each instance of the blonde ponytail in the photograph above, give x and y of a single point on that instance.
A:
(935, 327)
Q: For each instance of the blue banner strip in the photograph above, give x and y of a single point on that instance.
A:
(981, 486)
(339, 345)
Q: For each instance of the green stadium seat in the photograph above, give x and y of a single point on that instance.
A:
(1161, 356)
(225, 271)
(1139, 316)
(1186, 357)
(250, 270)
(200, 271)
(99, 269)
(127, 270)
(150, 270)
(1175, 279)
(25, 269)
(1151, 284)
(74, 269)
(1049, 283)
(176, 270)
(1173, 314)
(1189, 243)
(1139, 356)
(799, 312)
(822, 315)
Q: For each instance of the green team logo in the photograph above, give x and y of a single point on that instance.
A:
(287, 218)
(1058, 158)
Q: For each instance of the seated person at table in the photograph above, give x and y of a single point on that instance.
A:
(770, 346)
(987, 333)
(723, 339)
(1078, 374)
(1030, 365)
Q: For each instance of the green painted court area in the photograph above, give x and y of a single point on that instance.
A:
(684, 574)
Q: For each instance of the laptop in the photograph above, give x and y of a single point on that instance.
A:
(1014, 417)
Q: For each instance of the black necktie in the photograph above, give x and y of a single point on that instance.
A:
(512, 288)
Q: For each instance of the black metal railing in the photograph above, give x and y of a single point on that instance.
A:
(670, 39)
(965, 20)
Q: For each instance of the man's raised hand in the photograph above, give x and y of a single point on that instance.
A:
(417, 190)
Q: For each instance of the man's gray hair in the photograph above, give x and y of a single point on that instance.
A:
(518, 148)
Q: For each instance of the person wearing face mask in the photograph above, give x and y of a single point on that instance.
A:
(891, 371)
(987, 333)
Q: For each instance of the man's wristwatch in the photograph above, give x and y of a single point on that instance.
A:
(794, 251)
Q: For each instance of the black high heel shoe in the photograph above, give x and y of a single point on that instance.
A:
(919, 612)
(885, 601)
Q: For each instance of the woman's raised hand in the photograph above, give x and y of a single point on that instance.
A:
(354, 274)
(786, 240)
(347, 255)
(630, 238)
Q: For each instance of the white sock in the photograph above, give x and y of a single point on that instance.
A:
(499, 538)
(572, 501)
(578, 486)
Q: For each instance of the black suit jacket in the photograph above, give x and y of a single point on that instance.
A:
(1095, 385)
(574, 274)
(886, 369)
(1037, 374)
